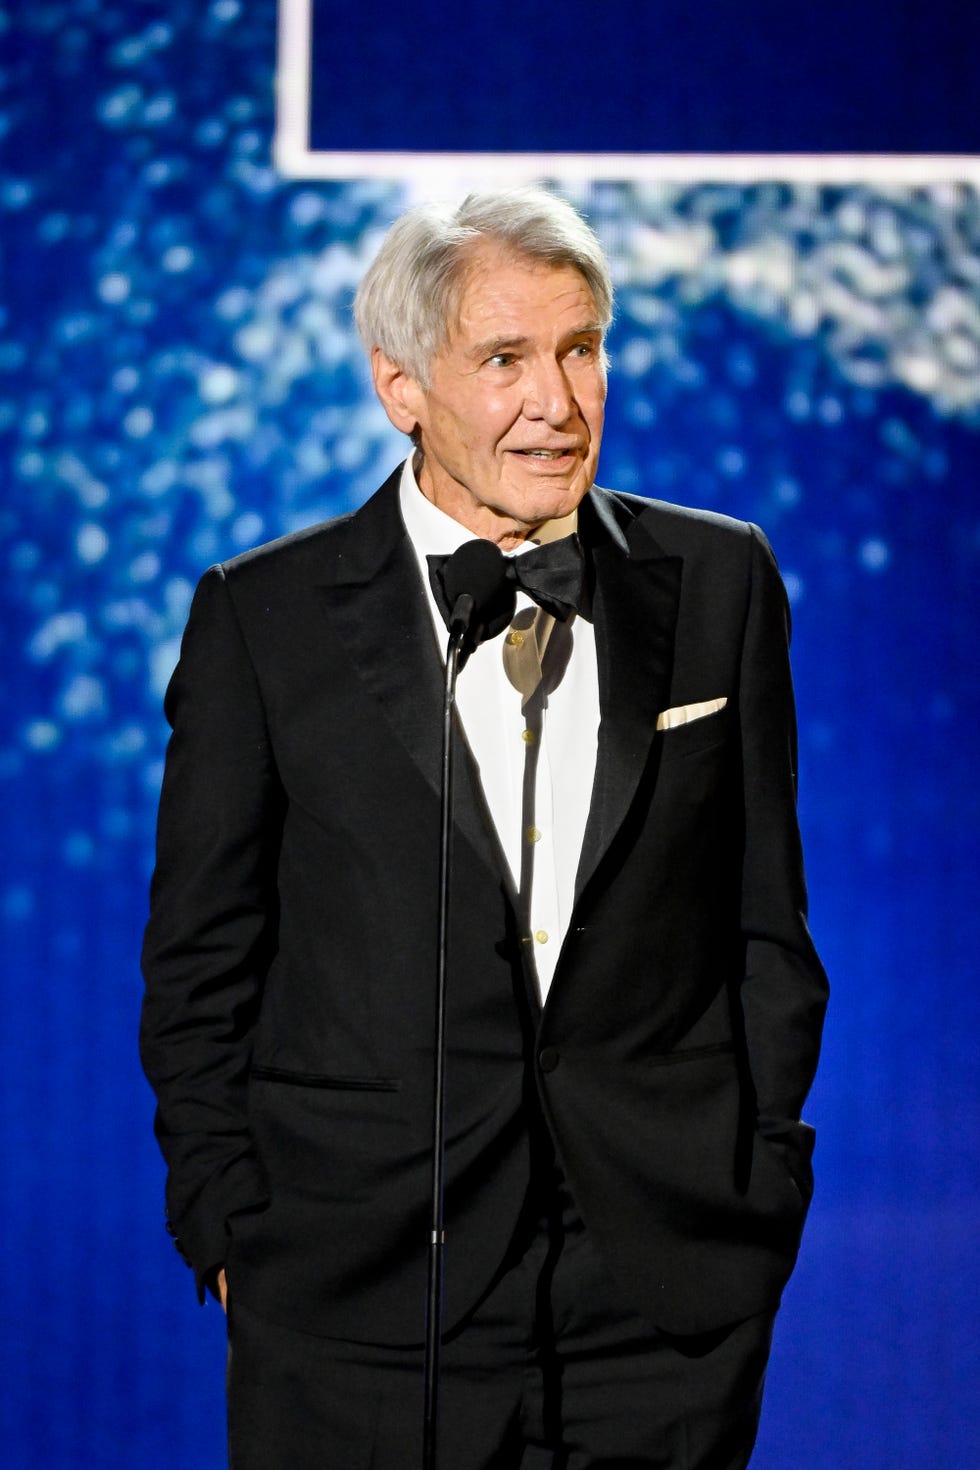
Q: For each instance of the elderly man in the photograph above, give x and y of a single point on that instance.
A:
(635, 1004)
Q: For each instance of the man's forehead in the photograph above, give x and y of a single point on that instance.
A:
(502, 286)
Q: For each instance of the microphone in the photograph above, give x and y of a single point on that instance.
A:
(480, 596)
(477, 601)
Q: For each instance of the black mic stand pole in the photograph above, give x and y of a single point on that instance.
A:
(458, 627)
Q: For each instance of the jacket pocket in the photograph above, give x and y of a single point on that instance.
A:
(334, 1082)
(695, 735)
(689, 1054)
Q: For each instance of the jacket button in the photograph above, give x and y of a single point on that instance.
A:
(548, 1059)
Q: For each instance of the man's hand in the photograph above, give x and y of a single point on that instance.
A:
(222, 1285)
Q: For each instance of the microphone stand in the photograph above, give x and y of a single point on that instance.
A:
(458, 628)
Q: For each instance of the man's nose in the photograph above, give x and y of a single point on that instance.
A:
(549, 395)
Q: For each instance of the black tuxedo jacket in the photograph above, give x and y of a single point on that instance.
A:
(290, 953)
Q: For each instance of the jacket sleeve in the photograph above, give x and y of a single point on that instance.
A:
(212, 927)
(784, 992)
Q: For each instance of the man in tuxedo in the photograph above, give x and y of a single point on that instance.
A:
(635, 1003)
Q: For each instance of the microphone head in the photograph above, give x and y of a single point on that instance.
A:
(478, 569)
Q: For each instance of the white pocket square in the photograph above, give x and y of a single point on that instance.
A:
(683, 714)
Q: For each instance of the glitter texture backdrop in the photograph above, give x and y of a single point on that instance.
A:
(179, 380)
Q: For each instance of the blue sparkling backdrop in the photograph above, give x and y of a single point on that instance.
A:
(179, 380)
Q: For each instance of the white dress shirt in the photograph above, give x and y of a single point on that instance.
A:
(489, 709)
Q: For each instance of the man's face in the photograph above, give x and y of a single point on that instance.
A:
(512, 419)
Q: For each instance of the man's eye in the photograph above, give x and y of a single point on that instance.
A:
(501, 359)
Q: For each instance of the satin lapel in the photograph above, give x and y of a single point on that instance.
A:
(376, 607)
(637, 591)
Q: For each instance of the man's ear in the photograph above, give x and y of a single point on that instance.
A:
(401, 397)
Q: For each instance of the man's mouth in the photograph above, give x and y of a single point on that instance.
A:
(543, 453)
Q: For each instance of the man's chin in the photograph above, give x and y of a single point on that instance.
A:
(511, 508)
(535, 499)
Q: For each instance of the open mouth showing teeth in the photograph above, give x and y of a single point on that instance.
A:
(544, 453)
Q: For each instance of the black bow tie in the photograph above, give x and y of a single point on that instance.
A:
(554, 575)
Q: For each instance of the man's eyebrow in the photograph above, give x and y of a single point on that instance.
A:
(492, 345)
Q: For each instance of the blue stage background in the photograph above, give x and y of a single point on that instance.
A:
(179, 380)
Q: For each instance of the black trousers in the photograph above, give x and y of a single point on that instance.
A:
(552, 1371)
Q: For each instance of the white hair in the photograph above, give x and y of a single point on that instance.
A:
(410, 296)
